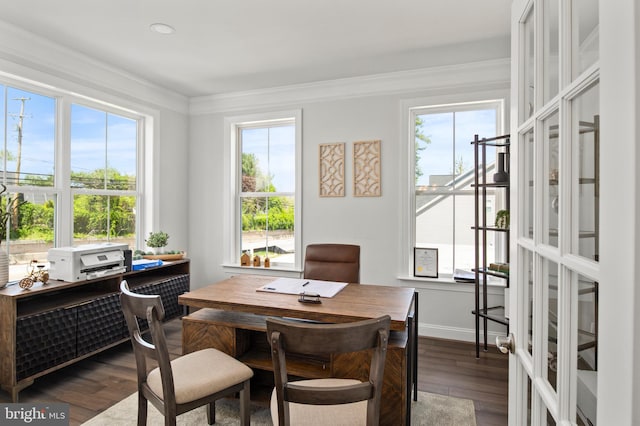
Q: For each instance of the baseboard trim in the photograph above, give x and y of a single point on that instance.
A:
(455, 333)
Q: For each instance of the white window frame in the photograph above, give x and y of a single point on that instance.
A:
(407, 169)
(145, 193)
(233, 179)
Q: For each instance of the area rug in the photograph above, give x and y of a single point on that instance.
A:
(430, 410)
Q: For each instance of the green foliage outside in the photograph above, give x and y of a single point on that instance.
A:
(263, 212)
(421, 144)
(97, 216)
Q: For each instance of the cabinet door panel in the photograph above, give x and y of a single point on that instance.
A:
(45, 340)
(100, 323)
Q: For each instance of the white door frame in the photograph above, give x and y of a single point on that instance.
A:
(528, 372)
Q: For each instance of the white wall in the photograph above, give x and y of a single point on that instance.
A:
(343, 111)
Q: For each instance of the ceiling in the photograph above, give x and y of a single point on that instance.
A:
(236, 45)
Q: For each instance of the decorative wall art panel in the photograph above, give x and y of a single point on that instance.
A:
(367, 180)
(332, 170)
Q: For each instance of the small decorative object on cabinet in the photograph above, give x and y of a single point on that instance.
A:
(256, 261)
(36, 272)
(484, 268)
(245, 259)
(157, 241)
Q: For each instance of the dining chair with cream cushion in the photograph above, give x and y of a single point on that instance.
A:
(327, 401)
(189, 381)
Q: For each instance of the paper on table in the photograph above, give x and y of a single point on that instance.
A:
(297, 286)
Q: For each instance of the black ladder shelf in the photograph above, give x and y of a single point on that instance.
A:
(484, 313)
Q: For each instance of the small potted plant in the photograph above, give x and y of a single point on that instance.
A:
(157, 241)
(502, 219)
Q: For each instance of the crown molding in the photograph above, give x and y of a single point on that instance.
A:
(27, 56)
(491, 73)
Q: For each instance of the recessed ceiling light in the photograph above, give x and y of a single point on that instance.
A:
(162, 28)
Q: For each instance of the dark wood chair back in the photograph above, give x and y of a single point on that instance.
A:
(332, 262)
(309, 339)
(181, 386)
(147, 307)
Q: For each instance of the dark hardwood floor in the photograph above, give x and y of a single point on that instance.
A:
(444, 367)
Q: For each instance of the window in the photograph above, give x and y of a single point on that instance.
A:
(443, 173)
(66, 187)
(266, 173)
(103, 174)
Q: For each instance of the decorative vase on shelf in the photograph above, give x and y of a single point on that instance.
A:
(501, 176)
(4, 268)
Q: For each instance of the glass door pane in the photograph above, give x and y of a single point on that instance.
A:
(528, 186)
(551, 49)
(585, 22)
(527, 105)
(586, 328)
(552, 290)
(551, 180)
(586, 179)
(527, 314)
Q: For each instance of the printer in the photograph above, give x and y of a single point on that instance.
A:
(85, 262)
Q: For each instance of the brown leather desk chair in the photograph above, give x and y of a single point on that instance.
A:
(332, 262)
(331, 400)
(190, 381)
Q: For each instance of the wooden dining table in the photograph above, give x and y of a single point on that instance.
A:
(232, 314)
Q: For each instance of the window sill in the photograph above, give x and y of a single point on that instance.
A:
(261, 270)
(449, 284)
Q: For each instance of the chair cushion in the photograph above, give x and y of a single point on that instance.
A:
(335, 415)
(201, 373)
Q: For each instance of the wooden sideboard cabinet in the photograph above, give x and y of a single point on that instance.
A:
(50, 326)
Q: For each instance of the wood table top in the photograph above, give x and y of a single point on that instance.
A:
(354, 302)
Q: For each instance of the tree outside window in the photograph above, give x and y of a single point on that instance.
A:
(267, 196)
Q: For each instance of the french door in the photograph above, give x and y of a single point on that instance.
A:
(556, 212)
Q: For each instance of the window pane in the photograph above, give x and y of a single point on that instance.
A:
(585, 187)
(30, 138)
(88, 147)
(104, 218)
(585, 19)
(434, 149)
(268, 159)
(103, 150)
(122, 136)
(268, 228)
(31, 230)
(465, 235)
(467, 125)
(434, 227)
(551, 181)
